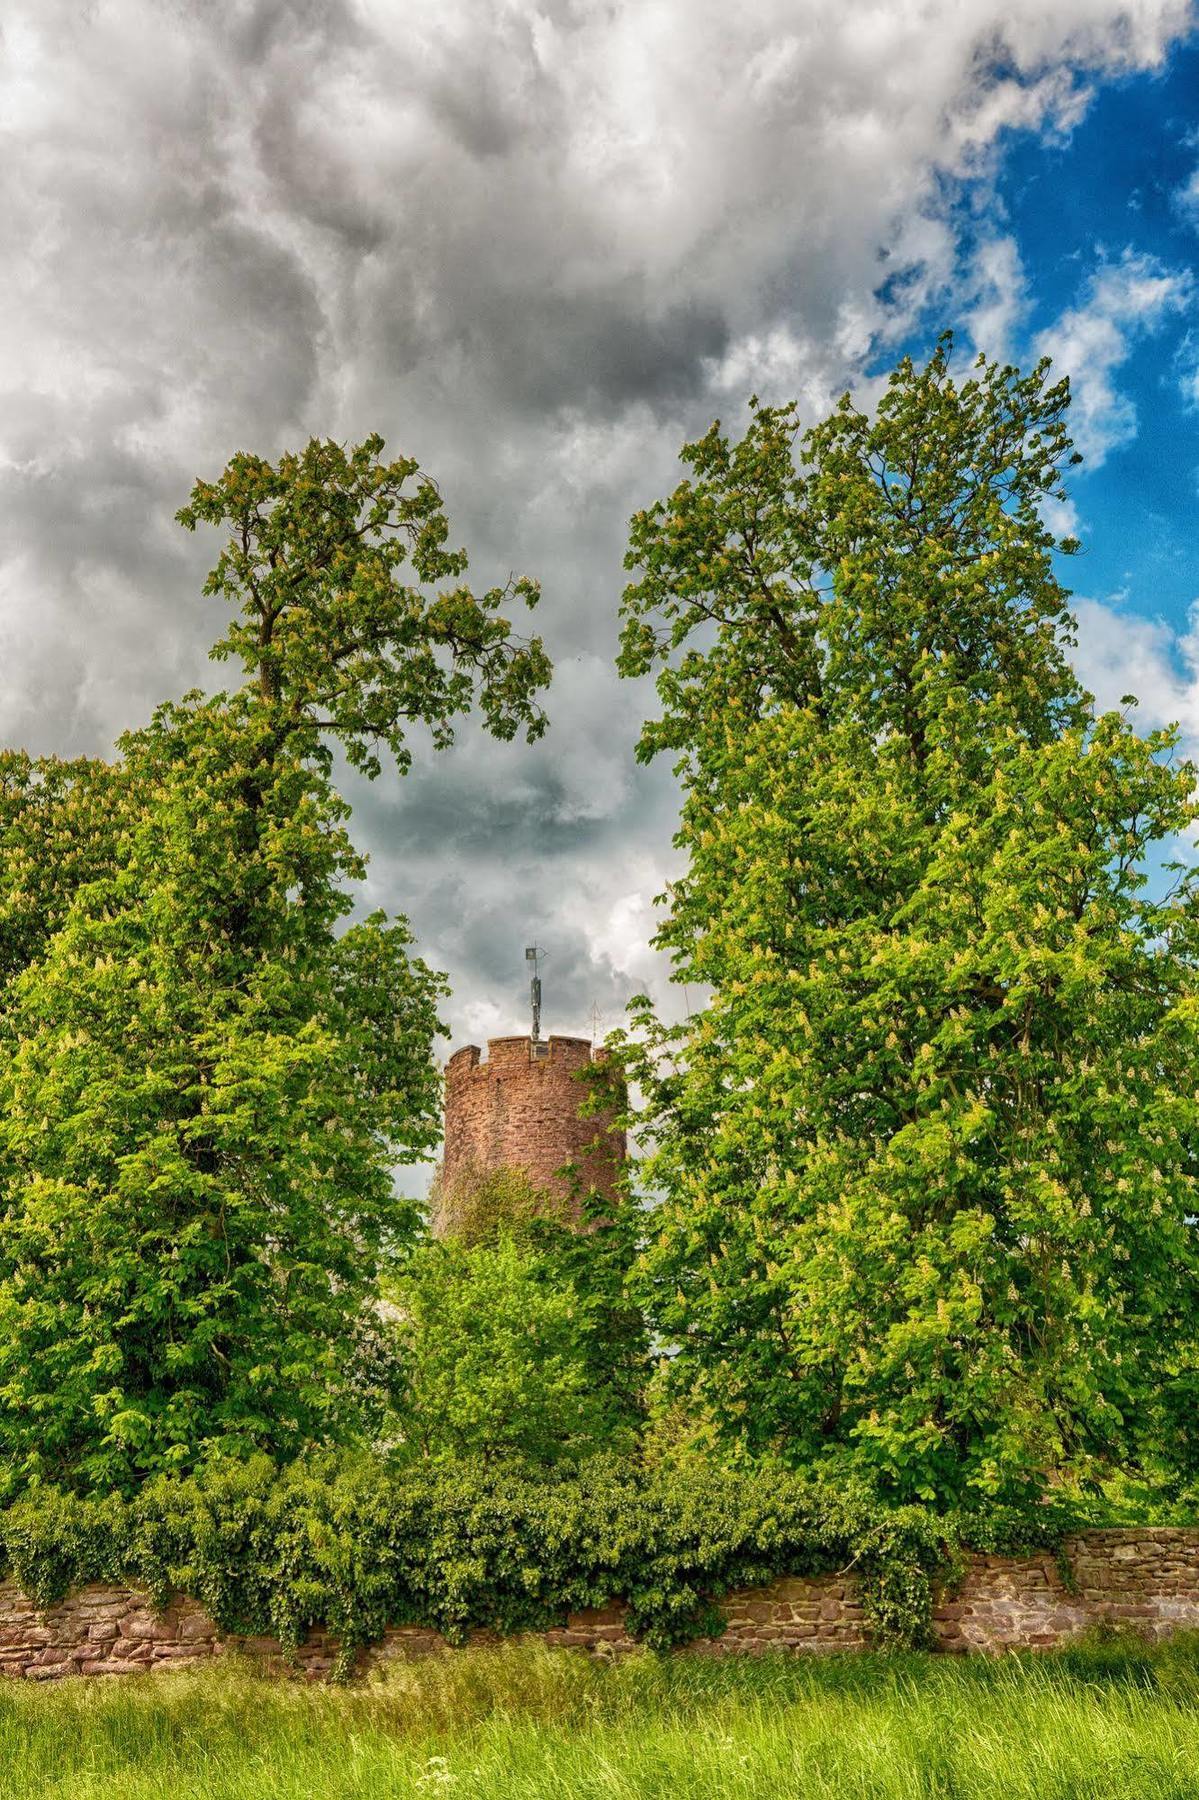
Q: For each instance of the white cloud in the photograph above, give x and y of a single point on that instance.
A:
(1187, 364)
(1187, 197)
(1124, 301)
(1121, 653)
(999, 302)
(1061, 516)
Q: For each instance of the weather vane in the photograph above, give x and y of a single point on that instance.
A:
(533, 958)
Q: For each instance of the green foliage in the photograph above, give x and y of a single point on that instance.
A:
(359, 1546)
(315, 564)
(483, 1202)
(59, 825)
(500, 1356)
(926, 1157)
(206, 1076)
(203, 1088)
(514, 1331)
(894, 559)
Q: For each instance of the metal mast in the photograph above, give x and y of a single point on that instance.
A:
(533, 959)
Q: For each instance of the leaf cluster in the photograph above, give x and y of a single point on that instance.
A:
(357, 1545)
(352, 614)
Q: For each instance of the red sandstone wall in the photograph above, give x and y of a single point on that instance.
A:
(1148, 1580)
(517, 1111)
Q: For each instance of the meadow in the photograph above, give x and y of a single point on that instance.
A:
(525, 1723)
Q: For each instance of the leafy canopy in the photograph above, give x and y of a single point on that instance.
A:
(331, 564)
(926, 1154)
(516, 1339)
(59, 827)
(206, 1074)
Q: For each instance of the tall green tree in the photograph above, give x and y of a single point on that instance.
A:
(206, 1075)
(926, 1156)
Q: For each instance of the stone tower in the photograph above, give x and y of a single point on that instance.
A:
(520, 1109)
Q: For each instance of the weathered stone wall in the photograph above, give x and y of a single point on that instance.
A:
(1148, 1580)
(520, 1110)
(1141, 1578)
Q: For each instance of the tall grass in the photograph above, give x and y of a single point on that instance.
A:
(524, 1721)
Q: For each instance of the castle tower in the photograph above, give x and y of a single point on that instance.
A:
(520, 1109)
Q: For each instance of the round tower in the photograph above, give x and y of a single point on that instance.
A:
(520, 1109)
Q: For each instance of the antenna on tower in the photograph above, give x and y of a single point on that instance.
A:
(533, 958)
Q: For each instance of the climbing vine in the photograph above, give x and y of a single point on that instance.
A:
(357, 1545)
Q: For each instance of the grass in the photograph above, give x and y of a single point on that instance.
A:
(523, 1722)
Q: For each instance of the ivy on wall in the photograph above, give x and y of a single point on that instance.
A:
(357, 1546)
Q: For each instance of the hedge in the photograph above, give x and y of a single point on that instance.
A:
(357, 1545)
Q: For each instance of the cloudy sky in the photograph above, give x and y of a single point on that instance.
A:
(536, 244)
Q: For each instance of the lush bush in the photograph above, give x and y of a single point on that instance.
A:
(513, 1334)
(359, 1545)
(499, 1355)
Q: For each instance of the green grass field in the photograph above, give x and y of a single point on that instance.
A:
(1108, 1720)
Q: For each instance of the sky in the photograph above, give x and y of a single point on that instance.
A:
(538, 246)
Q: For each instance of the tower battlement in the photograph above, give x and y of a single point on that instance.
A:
(519, 1108)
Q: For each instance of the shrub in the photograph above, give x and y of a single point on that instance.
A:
(357, 1545)
(500, 1355)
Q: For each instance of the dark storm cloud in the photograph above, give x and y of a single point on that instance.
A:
(533, 244)
(597, 351)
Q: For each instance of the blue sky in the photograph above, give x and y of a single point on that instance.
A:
(1118, 185)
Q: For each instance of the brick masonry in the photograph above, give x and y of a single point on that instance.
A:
(520, 1110)
(1146, 1580)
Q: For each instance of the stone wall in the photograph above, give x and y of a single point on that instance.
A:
(520, 1109)
(1147, 1580)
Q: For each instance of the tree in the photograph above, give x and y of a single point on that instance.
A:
(206, 1076)
(516, 1335)
(199, 1128)
(495, 1358)
(338, 642)
(926, 1155)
